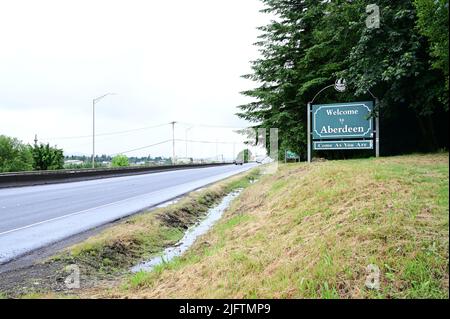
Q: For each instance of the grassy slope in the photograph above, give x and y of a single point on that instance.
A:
(311, 230)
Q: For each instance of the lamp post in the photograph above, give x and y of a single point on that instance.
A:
(173, 142)
(94, 101)
(308, 109)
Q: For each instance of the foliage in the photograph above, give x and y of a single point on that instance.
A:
(14, 155)
(119, 161)
(282, 239)
(46, 157)
(244, 155)
(311, 43)
(85, 165)
(433, 23)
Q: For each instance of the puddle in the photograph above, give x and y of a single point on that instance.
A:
(213, 215)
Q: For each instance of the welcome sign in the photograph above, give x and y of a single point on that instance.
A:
(343, 121)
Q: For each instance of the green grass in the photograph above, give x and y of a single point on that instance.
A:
(143, 236)
(310, 231)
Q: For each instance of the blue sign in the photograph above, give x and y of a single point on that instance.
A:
(343, 120)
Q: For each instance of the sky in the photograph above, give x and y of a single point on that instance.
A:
(165, 60)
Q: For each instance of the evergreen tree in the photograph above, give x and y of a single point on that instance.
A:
(312, 43)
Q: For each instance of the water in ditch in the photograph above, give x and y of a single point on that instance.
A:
(213, 215)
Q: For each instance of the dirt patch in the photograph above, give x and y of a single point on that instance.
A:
(189, 214)
(40, 279)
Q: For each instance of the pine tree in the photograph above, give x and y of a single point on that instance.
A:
(312, 43)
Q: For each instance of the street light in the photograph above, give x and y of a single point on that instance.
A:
(94, 101)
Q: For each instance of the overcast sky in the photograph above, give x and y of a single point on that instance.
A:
(166, 60)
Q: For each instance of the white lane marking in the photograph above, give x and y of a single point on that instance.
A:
(81, 184)
(79, 212)
(72, 214)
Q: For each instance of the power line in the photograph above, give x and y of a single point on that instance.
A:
(106, 134)
(209, 142)
(139, 129)
(212, 126)
(142, 148)
(173, 140)
(177, 140)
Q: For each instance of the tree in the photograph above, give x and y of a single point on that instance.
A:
(311, 43)
(433, 23)
(394, 61)
(14, 155)
(46, 157)
(120, 161)
(244, 155)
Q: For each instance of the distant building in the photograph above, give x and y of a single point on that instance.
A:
(106, 163)
(73, 162)
(184, 160)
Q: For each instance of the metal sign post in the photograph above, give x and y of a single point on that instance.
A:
(377, 128)
(347, 131)
(309, 132)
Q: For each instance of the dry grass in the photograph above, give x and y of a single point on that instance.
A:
(310, 231)
(137, 238)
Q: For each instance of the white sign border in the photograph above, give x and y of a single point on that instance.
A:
(341, 105)
(344, 148)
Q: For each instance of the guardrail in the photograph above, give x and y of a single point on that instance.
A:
(75, 175)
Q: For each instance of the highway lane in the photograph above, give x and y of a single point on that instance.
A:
(36, 216)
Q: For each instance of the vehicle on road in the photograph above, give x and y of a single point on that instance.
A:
(264, 160)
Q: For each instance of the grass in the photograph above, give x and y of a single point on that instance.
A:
(310, 231)
(140, 237)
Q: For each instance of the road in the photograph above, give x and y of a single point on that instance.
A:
(36, 216)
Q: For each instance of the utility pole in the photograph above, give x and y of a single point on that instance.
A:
(217, 150)
(309, 132)
(35, 140)
(173, 142)
(377, 128)
(186, 143)
(186, 136)
(93, 133)
(93, 124)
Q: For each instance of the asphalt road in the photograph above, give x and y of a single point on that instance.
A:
(36, 216)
